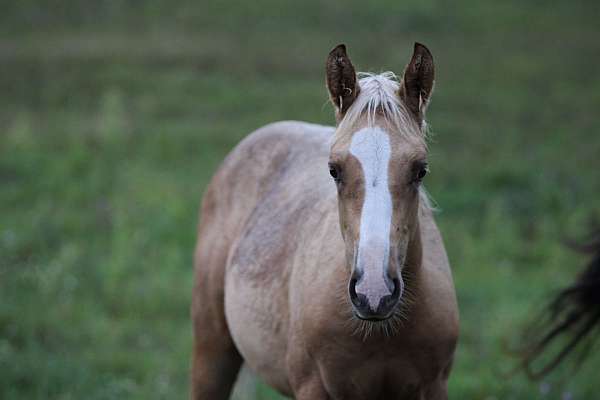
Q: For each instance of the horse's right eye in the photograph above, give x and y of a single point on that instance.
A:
(334, 172)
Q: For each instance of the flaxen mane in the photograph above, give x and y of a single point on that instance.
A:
(378, 96)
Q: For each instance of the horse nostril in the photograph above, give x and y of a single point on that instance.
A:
(397, 288)
(386, 304)
(352, 289)
(389, 302)
(358, 299)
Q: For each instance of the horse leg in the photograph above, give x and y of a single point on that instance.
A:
(215, 359)
(436, 391)
(312, 390)
(215, 366)
(306, 382)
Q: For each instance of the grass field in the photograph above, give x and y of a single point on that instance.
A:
(114, 115)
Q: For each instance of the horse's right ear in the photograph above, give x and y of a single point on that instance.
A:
(341, 79)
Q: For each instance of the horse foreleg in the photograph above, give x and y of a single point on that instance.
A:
(436, 391)
(311, 390)
(215, 359)
(215, 366)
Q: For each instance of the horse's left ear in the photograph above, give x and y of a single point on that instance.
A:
(341, 79)
(417, 83)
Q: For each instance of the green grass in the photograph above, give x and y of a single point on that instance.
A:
(113, 116)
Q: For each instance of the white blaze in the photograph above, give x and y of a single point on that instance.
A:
(371, 146)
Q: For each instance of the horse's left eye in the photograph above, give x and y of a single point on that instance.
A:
(420, 170)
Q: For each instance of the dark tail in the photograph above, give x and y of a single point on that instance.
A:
(570, 317)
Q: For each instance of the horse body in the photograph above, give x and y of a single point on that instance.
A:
(272, 275)
(277, 237)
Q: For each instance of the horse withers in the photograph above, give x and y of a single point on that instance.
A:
(318, 262)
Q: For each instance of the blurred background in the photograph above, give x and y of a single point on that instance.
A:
(114, 114)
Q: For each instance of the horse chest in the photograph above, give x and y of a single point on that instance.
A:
(374, 379)
(391, 369)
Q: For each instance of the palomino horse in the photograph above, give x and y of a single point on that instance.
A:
(328, 287)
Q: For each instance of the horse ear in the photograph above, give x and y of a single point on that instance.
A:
(341, 79)
(417, 83)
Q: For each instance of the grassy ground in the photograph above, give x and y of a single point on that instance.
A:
(113, 116)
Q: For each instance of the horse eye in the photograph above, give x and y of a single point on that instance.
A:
(334, 172)
(421, 171)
